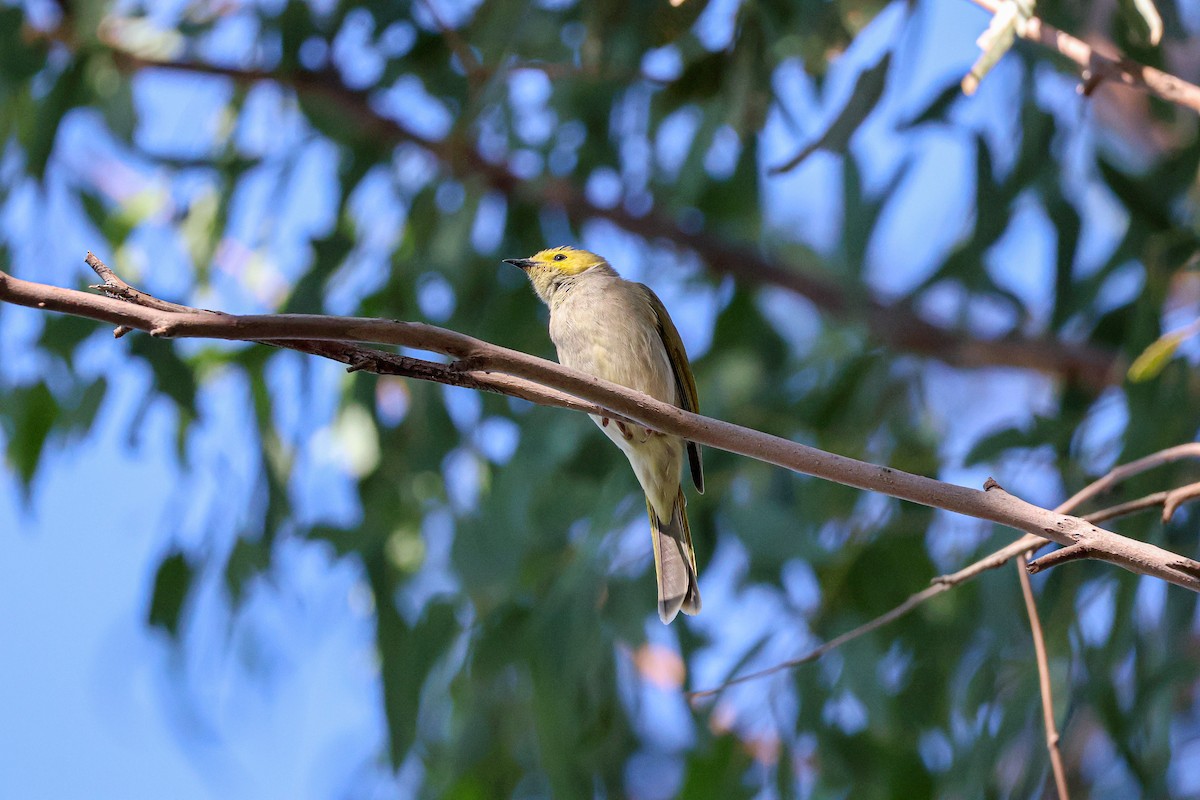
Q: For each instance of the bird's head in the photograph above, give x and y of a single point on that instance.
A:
(556, 268)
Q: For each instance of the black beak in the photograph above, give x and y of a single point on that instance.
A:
(522, 263)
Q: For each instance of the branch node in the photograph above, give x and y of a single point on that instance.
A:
(992, 483)
(362, 361)
(1073, 552)
(1092, 78)
(116, 291)
(120, 331)
(1186, 566)
(1177, 497)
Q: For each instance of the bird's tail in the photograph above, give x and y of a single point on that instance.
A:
(674, 562)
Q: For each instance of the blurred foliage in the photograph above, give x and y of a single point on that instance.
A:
(451, 135)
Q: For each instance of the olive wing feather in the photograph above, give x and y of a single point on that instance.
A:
(685, 382)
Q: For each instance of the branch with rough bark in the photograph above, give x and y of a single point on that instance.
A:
(1095, 68)
(895, 325)
(483, 365)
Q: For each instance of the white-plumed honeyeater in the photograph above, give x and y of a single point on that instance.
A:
(620, 331)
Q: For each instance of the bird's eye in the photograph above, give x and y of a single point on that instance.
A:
(560, 257)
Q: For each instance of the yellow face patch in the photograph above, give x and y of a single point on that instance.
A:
(567, 260)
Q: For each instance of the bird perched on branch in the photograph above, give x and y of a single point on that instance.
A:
(620, 331)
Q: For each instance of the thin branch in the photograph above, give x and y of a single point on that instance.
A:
(1177, 497)
(895, 325)
(817, 652)
(1153, 500)
(1043, 667)
(1022, 547)
(362, 359)
(943, 583)
(1096, 67)
(1072, 552)
(1170, 501)
(1123, 472)
(475, 356)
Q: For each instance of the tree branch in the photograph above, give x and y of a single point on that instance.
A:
(895, 325)
(1072, 552)
(1022, 548)
(357, 357)
(1123, 472)
(480, 359)
(1177, 497)
(1044, 686)
(938, 585)
(1096, 68)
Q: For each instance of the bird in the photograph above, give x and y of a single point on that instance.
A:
(620, 331)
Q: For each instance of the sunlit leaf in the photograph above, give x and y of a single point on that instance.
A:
(1154, 358)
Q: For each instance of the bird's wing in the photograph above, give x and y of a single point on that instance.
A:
(685, 382)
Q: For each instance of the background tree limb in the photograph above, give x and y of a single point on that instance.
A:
(895, 325)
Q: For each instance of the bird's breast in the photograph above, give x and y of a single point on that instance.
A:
(613, 335)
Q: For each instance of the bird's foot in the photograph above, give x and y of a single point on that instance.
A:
(624, 429)
(604, 422)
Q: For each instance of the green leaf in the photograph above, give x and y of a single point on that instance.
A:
(938, 108)
(62, 333)
(868, 89)
(249, 559)
(1044, 430)
(21, 56)
(172, 583)
(30, 413)
(69, 91)
(173, 376)
(79, 414)
(718, 771)
(407, 653)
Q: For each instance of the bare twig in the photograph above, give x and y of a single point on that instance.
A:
(817, 652)
(1072, 552)
(1022, 547)
(1124, 472)
(359, 358)
(1177, 497)
(937, 586)
(1170, 501)
(994, 505)
(1043, 667)
(1096, 67)
(117, 288)
(1129, 507)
